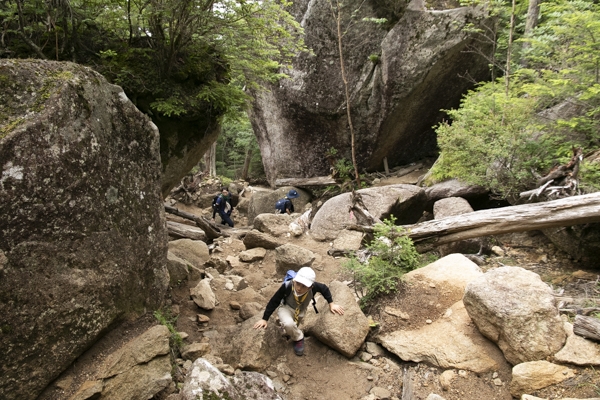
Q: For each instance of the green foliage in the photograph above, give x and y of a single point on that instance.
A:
(504, 141)
(393, 254)
(164, 317)
(174, 58)
(237, 142)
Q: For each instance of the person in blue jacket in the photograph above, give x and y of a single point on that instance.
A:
(223, 207)
(291, 300)
(285, 205)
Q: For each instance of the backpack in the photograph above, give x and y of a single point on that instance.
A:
(280, 207)
(214, 202)
(287, 281)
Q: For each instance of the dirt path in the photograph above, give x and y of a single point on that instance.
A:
(324, 374)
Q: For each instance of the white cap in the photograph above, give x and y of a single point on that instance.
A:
(305, 276)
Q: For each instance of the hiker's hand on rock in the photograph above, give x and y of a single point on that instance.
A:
(336, 308)
(262, 324)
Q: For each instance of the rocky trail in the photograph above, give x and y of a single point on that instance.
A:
(374, 373)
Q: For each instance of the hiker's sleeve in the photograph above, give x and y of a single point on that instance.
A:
(324, 290)
(274, 302)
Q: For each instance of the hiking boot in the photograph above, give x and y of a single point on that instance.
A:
(299, 347)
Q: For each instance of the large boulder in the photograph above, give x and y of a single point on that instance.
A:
(344, 333)
(399, 80)
(405, 202)
(515, 309)
(289, 256)
(255, 239)
(82, 227)
(194, 251)
(273, 224)
(531, 376)
(450, 341)
(140, 369)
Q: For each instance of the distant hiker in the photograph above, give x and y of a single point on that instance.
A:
(291, 301)
(285, 206)
(222, 205)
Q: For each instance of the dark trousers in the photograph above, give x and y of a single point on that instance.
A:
(225, 218)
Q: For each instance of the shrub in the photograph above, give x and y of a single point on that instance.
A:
(392, 254)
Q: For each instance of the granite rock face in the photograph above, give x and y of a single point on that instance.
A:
(82, 228)
(399, 80)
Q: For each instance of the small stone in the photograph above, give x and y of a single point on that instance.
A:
(286, 378)
(462, 373)
(369, 378)
(429, 321)
(497, 250)
(494, 375)
(202, 319)
(235, 305)
(498, 382)
(432, 285)
(272, 374)
(364, 356)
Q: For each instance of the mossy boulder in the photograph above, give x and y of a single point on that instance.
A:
(82, 228)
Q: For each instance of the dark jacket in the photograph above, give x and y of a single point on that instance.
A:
(284, 290)
(220, 205)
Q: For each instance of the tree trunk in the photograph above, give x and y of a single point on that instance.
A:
(210, 160)
(303, 182)
(247, 164)
(183, 231)
(569, 211)
(210, 230)
(587, 327)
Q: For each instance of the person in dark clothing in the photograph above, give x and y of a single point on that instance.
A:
(224, 208)
(285, 205)
(291, 301)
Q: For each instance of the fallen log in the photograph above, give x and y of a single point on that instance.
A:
(587, 327)
(303, 182)
(568, 211)
(183, 231)
(210, 229)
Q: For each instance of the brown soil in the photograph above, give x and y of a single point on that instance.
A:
(324, 374)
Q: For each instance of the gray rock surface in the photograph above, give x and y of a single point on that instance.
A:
(193, 251)
(289, 256)
(515, 309)
(344, 333)
(255, 238)
(405, 202)
(203, 295)
(82, 228)
(399, 81)
(177, 267)
(453, 188)
(455, 206)
(531, 376)
(273, 224)
(251, 255)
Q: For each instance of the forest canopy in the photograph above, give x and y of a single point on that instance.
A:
(172, 57)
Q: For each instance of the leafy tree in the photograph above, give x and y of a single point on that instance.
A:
(175, 58)
(505, 141)
(237, 146)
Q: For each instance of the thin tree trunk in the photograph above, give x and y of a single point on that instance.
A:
(533, 12)
(210, 160)
(509, 49)
(338, 20)
(21, 33)
(247, 164)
